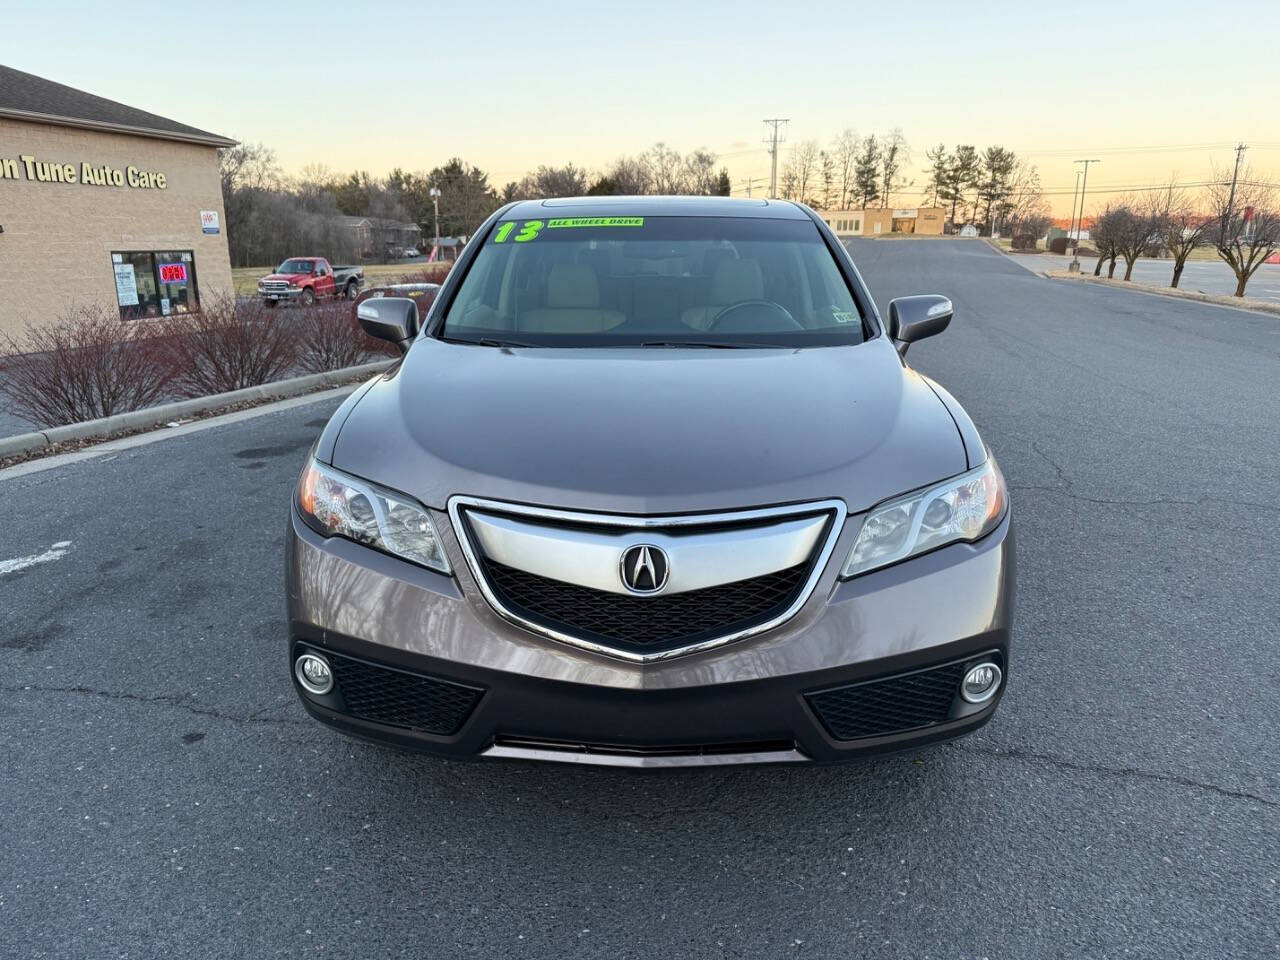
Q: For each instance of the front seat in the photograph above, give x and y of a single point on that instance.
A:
(732, 282)
(573, 304)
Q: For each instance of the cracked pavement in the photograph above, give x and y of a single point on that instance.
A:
(164, 795)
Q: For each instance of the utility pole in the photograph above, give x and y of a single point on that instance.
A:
(434, 194)
(751, 182)
(1071, 225)
(1074, 267)
(1231, 201)
(773, 140)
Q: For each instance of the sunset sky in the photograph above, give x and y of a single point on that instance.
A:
(1152, 89)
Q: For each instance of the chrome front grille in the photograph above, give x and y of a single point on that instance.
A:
(724, 576)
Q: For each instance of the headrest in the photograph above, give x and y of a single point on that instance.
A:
(572, 285)
(737, 280)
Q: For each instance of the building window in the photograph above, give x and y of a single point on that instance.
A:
(155, 283)
(857, 226)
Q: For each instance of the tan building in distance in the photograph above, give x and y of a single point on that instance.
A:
(926, 221)
(101, 203)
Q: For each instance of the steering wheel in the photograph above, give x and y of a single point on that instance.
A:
(753, 316)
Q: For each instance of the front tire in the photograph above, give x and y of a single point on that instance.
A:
(269, 304)
(308, 297)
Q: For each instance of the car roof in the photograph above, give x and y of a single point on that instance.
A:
(658, 207)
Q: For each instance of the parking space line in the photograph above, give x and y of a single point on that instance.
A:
(55, 552)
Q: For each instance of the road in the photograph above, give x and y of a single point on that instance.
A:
(1204, 276)
(164, 795)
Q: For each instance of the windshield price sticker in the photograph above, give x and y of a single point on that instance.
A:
(529, 229)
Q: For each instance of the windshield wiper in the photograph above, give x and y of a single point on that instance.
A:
(494, 342)
(709, 344)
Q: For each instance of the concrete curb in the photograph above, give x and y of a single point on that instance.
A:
(165, 413)
(1235, 303)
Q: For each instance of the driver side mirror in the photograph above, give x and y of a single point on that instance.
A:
(914, 318)
(389, 318)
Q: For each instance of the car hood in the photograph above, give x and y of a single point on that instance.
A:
(650, 430)
(290, 277)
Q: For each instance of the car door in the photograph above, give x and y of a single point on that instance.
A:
(324, 279)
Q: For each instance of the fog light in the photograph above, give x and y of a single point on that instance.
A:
(981, 682)
(312, 671)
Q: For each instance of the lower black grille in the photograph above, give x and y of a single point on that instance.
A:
(399, 699)
(892, 705)
(646, 624)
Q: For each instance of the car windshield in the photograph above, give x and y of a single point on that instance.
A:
(654, 281)
(296, 266)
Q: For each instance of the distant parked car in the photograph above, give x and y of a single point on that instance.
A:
(411, 252)
(308, 279)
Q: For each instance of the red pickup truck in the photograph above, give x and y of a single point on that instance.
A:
(308, 279)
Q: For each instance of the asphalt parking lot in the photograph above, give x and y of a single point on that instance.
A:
(164, 795)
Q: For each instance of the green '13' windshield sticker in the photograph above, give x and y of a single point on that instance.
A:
(529, 229)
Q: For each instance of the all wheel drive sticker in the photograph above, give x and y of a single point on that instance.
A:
(26, 167)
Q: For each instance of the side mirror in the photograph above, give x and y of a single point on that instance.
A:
(389, 318)
(914, 318)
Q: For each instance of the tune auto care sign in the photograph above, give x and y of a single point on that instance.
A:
(27, 167)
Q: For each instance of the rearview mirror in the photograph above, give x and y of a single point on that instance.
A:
(914, 318)
(389, 318)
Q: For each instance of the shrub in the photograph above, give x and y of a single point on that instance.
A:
(229, 345)
(89, 364)
(429, 273)
(330, 338)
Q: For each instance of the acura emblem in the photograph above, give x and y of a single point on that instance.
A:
(644, 568)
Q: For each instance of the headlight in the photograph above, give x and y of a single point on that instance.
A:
(336, 505)
(964, 508)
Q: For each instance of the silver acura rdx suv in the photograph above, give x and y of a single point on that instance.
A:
(651, 485)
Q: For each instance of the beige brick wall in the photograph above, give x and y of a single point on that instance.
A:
(58, 237)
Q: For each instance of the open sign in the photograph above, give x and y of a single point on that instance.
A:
(173, 273)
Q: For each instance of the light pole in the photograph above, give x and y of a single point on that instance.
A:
(1075, 194)
(434, 194)
(1084, 185)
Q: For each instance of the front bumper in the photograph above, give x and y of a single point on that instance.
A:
(281, 296)
(750, 701)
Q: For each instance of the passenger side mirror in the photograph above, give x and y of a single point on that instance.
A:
(914, 318)
(389, 318)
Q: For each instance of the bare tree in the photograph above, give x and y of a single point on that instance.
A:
(1135, 233)
(1102, 234)
(804, 167)
(628, 176)
(699, 174)
(1246, 227)
(1183, 227)
(894, 157)
(566, 181)
(844, 151)
(665, 169)
(1023, 208)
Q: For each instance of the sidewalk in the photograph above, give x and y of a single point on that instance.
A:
(1200, 276)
